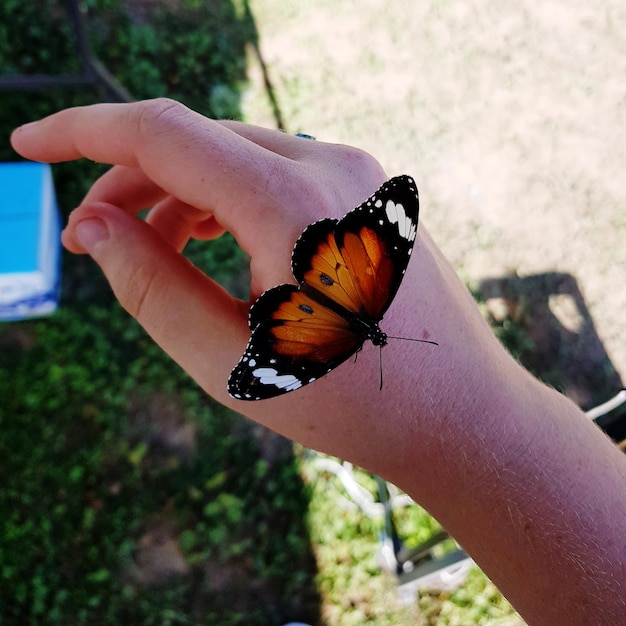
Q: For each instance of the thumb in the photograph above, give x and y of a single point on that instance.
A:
(190, 316)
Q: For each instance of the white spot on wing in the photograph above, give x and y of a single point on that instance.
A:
(270, 376)
(397, 215)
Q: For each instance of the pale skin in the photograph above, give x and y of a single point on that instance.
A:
(516, 472)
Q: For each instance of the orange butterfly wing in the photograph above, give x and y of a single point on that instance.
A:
(357, 275)
(361, 263)
(297, 341)
(348, 273)
(310, 330)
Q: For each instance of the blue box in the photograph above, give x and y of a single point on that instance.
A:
(30, 242)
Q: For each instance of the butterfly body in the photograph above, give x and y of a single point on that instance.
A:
(348, 272)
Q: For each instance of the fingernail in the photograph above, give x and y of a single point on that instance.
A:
(25, 127)
(90, 233)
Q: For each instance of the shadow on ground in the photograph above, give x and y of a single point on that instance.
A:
(544, 321)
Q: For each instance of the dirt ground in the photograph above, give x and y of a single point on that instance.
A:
(511, 117)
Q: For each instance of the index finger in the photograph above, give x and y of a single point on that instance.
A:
(200, 161)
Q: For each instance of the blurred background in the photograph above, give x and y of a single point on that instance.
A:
(126, 495)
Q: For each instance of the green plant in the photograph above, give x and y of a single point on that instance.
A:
(194, 54)
(86, 471)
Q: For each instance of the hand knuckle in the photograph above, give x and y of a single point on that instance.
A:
(155, 116)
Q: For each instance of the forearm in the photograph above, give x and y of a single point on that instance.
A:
(530, 488)
(520, 477)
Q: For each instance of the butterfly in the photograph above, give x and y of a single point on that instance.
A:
(348, 272)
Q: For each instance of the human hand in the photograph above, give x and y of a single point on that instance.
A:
(200, 177)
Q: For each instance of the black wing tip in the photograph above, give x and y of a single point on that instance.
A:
(404, 181)
(327, 224)
(254, 389)
(236, 385)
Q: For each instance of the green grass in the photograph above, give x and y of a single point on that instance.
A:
(91, 409)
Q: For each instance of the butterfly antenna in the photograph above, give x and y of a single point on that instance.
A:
(434, 343)
(380, 364)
